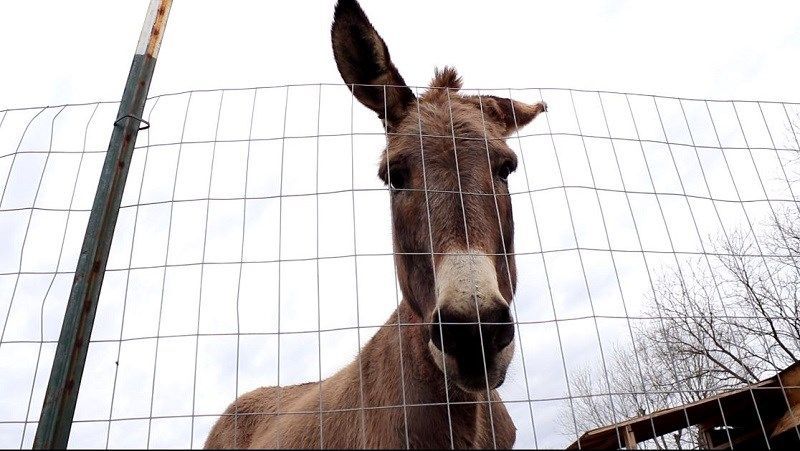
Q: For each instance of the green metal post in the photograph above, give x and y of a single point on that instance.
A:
(58, 409)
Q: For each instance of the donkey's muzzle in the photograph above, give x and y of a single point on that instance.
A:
(474, 342)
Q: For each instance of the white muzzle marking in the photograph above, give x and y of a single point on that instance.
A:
(467, 281)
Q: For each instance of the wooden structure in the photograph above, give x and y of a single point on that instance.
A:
(764, 415)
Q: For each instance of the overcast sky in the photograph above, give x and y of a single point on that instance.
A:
(58, 53)
(68, 52)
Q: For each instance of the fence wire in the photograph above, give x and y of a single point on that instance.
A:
(656, 243)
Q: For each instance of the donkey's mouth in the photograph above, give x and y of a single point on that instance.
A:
(469, 373)
(478, 384)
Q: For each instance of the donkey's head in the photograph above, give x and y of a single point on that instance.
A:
(447, 164)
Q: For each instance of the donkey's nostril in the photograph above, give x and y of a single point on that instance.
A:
(436, 331)
(501, 328)
(453, 334)
(444, 328)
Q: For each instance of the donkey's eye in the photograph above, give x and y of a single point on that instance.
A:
(505, 169)
(398, 178)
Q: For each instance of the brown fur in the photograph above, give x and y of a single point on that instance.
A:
(458, 185)
(383, 415)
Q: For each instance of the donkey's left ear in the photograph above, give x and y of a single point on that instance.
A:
(510, 114)
(363, 59)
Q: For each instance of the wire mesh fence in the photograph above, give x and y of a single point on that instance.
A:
(656, 245)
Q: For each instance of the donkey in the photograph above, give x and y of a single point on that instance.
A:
(427, 378)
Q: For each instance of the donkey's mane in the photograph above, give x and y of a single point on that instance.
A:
(447, 77)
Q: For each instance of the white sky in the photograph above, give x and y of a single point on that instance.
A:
(69, 52)
(59, 53)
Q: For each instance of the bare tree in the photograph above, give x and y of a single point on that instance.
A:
(642, 379)
(718, 323)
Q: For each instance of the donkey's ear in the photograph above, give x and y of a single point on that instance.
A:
(363, 59)
(510, 114)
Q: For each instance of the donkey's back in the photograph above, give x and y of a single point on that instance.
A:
(253, 414)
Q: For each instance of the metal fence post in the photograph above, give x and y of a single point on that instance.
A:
(58, 409)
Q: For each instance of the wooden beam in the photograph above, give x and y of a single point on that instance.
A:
(630, 437)
(790, 381)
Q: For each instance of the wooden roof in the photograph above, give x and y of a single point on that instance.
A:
(772, 414)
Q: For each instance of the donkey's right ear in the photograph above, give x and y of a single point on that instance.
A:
(363, 59)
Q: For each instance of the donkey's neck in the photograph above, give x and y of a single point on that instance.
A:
(429, 413)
